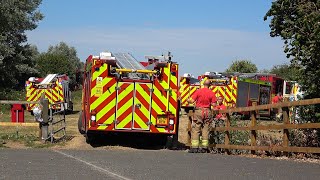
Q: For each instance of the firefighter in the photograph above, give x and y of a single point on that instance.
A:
(277, 111)
(203, 98)
(218, 121)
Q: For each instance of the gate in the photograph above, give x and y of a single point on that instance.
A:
(56, 122)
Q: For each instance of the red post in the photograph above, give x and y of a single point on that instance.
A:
(17, 113)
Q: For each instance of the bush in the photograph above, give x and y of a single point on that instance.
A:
(9, 94)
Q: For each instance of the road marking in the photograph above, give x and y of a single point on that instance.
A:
(105, 171)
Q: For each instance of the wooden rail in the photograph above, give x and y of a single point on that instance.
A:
(18, 102)
(270, 106)
(253, 127)
(9, 124)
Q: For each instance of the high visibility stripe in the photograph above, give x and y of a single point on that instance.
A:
(173, 97)
(204, 143)
(133, 101)
(140, 120)
(158, 98)
(102, 70)
(96, 101)
(52, 94)
(190, 92)
(105, 105)
(195, 143)
(164, 86)
(105, 81)
(142, 99)
(125, 104)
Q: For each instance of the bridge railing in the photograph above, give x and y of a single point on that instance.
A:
(254, 127)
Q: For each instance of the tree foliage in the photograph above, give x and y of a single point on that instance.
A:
(61, 59)
(286, 71)
(53, 64)
(242, 66)
(17, 57)
(297, 22)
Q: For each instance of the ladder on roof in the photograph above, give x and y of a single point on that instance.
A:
(48, 79)
(127, 61)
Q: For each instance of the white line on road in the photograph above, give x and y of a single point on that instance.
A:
(105, 171)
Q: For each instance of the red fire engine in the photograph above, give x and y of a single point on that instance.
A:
(121, 95)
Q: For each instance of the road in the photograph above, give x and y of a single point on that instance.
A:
(144, 164)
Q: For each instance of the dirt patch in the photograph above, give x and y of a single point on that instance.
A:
(15, 145)
(77, 142)
(183, 127)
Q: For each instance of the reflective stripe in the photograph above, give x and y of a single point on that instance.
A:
(205, 143)
(194, 143)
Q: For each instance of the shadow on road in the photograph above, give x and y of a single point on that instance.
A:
(137, 141)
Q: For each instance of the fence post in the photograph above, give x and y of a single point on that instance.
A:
(227, 135)
(45, 124)
(285, 138)
(253, 124)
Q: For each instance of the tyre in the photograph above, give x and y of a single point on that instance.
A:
(81, 131)
(89, 138)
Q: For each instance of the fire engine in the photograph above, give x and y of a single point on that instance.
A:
(124, 96)
(278, 84)
(53, 87)
(237, 91)
(188, 86)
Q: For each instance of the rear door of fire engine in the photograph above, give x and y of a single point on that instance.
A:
(133, 105)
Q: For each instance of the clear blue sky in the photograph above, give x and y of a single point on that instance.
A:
(203, 35)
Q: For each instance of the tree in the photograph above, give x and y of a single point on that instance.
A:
(17, 57)
(53, 64)
(61, 59)
(242, 66)
(286, 71)
(297, 22)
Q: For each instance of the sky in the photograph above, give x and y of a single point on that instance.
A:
(202, 35)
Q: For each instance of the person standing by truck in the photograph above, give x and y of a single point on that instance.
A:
(218, 121)
(277, 112)
(203, 98)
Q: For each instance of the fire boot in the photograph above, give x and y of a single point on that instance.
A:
(203, 150)
(193, 150)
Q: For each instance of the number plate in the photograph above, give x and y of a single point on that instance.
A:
(163, 120)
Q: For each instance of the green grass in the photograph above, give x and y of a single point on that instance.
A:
(77, 98)
(28, 136)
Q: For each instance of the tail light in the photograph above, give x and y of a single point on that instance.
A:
(93, 118)
(171, 123)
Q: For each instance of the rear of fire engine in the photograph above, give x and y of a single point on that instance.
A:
(122, 95)
(188, 86)
(221, 85)
(238, 90)
(53, 87)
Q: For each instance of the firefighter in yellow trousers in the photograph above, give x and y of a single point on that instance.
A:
(203, 98)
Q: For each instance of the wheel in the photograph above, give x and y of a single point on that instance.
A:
(70, 109)
(89, 138)
(81, 131)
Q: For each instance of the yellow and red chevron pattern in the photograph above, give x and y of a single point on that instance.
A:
(227, 91)
(129, 105)
(103, 93)
(54, 94)
(186, 91)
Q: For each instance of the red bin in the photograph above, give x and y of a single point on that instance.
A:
(17, 113)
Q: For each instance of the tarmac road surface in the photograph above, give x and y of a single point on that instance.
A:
(144, 164)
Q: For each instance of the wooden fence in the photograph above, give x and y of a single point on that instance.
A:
(253, 128)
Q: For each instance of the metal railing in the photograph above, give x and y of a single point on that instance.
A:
(56, 122)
